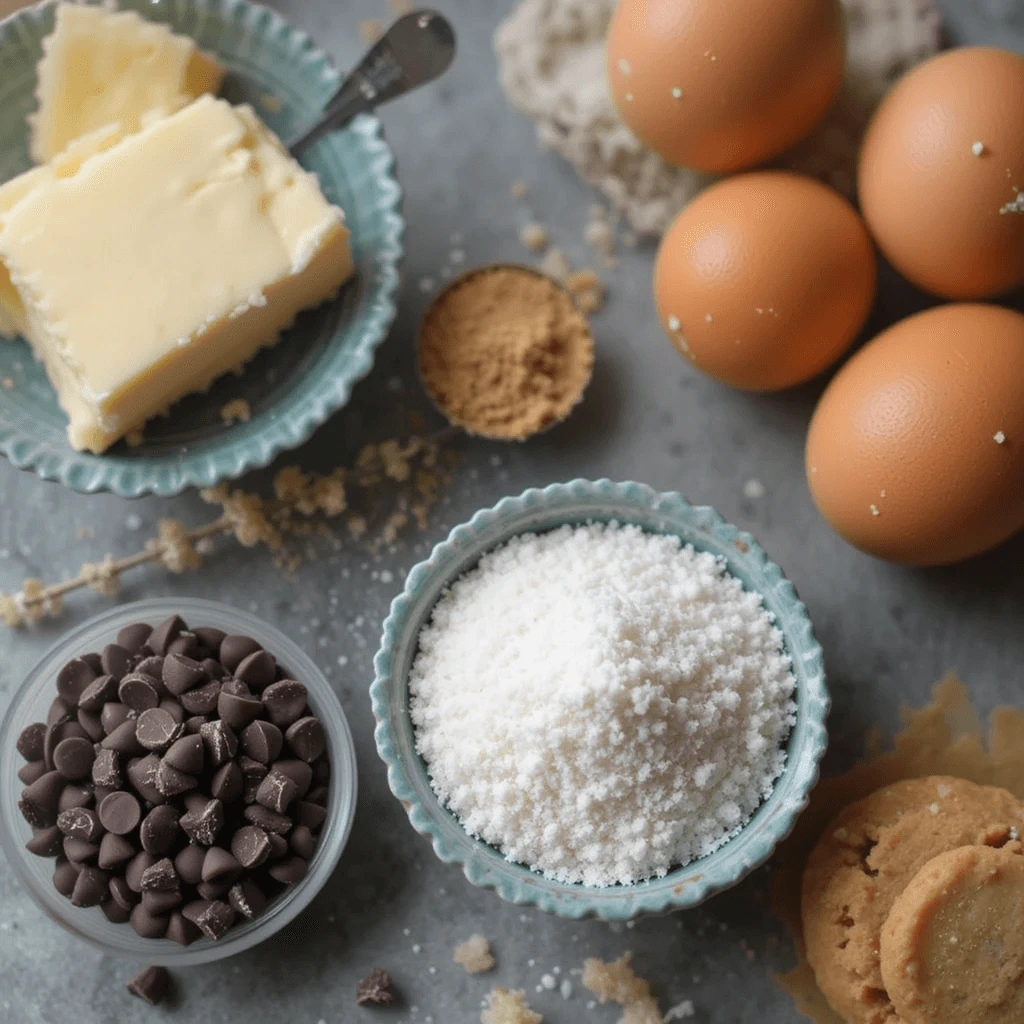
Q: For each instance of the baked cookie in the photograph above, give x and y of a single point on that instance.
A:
(953, 945)
(863, 862)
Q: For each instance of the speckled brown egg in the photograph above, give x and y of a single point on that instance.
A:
(942, 172)
(723, 86)
(765, 279)
(916, 450)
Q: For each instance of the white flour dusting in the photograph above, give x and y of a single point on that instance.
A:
(600, 703)
(552, 68)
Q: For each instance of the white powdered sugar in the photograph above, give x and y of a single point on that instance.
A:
(601, 703)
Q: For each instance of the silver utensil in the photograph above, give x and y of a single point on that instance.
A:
(416, 49)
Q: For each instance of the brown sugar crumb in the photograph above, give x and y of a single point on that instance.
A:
(474, 955)
(370, 30)
(174, 547)
(556, 264)
(505, 1007)
(134, 437)
(504, 353)
(534, 237)
(617, 982)
(518, 188)
(7, 383)
(587, 289)
(236, 411)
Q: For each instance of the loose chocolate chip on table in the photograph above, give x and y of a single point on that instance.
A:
(251, 846)
(123, 740)
(172, 782)
(80, 823)
(202, 826)
(120, 813)
(181, 930)
(91, 888)
(302, 841)
(310, 815)
(139, 692)
(262, 741)
(149, 926)
(306, 738)
(227, 783)
(116, 660)
(47, 842)
(79, 850)
(97, 693)
(136, 868)
(74, 796)
(163, 634)
(211, 638)
(181, 673)
(92, 724)
(189, 864)
(114, 850)
(186, 754)
(220, 741)
(376, 990)
(235, 649)
(285, 702)
(113, 715)
(38, 803)
(142, 775)
(153, 984)
(156, 729)
(219, 865)
(186, 643)
(258, 669)
(73, 758)
(276, 791)
(247, 899)
(203, 699)
(133, 638)
(159, 829)
(289, 871)
(114, 912)
(72, 679)
(30, 741)
(212, 917)
(28, 773)
(65, 874)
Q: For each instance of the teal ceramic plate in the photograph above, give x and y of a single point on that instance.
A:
(578, 502)
(291, 388)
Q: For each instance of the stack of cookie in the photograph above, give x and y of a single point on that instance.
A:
(913, 906)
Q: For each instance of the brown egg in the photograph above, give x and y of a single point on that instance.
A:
(942, 172)
(722, 86)
(916, 450)
(765, 279)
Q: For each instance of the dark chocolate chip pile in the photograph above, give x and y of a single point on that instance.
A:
(179, 780)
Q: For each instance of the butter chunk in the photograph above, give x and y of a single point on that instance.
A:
(103, 67)
(146, 270)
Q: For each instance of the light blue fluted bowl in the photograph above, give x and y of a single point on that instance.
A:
(584, 501)
(291, 388)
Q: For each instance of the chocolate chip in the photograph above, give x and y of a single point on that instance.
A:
(100, 793)
(30, 741)
(306, 738)
(181, 673)
(115, 913)
(185, 643)
(189, 864)
(195, 802)
(298, 771)
(139, 692)
(73, 758)
(186, 754)
(119, 813)
(156, 729)
(258, 670)
(137, 866)
(251, 846)
(276, 791)
(133, 638)
(212, 917)
(121, 894)
(80, 823)
(46, 842)
(94, 661)
(252, 774)
(116, 661)
(159, 875)
(202, 700)
(290, 871)
(308, 814)
(142, 775)
(123, 740)
(72, 679)
(262, 741)
(90, 888)
(113, 715)
(152, 985)
(114, 850)
(59, 712)
(38, 803)
(220, 865)
(158, 901)
(74, 796)
(211, 638)
(285, 702)
(159, 831)
(235, 649)
(322, 770)
(227, 784)
(151, 666)
(303, 842)
(174, 709)
(269, 821)
(236, 687)
(55, 734)
(376, 990)
(213, 668)
(79, 850)
(181, 930)
(220, 742)
(194, 723)
(172, 782)
(65, 874)
(163, 634)
(278, 846)
(247, 899)
(149, 926)
(92, 724)
(106, 769)
(202, 826)
(28, 773)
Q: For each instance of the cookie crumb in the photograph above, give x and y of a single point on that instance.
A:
(534, 237)
(237, 410)
(556, 264)
(400, 7)
(518, 189)
(134, 437)
(153, 984)
(874, 509)
(474, 955)
(7, 383)
(505, 1007)
(681, 1011)
(617, 982)
(587, 289)
(376, 989)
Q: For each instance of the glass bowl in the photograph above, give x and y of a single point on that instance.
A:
(584, 501)
(31, 703)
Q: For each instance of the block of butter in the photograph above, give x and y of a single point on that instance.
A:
(141, 272)
(103, 67)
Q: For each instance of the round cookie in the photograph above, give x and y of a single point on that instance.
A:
(867, 857)
(953, 946)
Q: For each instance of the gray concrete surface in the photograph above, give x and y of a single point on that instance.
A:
(888, 633)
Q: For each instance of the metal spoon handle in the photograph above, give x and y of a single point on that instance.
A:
(417, 48)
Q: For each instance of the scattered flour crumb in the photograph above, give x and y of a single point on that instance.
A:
(133, 522)
(7, 383)
(474, 955)
(556, 264)
(1016, 205)
(534, 237)
(566, 989)
(978, 148)
(505, 1007)
(236, 411)
(999, 437)
(753, 489)
(548, 981)
(681, 1011)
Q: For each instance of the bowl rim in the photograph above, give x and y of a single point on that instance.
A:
(568, 503)
(333, 839)
(241, 447)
